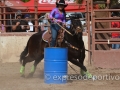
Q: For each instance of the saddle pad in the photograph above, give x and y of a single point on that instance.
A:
(46, 36)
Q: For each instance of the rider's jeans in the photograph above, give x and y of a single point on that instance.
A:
(54, 30)
(116, 46)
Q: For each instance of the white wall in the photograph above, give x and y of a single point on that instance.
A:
(12, 46)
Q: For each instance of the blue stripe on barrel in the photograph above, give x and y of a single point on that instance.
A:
(55, 65)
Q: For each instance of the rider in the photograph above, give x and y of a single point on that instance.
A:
(57, 15)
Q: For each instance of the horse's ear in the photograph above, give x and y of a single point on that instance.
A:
(71, 18)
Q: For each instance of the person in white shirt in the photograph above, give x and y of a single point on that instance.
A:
(27, 17)
(68, 23)
(44, 22)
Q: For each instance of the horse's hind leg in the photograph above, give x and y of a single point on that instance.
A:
(81, 60)
(34, 66)
(26, 60)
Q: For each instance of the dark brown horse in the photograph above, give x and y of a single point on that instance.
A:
(34, 50)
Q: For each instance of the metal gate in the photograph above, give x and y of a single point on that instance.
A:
(102, 54)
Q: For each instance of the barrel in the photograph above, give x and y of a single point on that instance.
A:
(55, 65)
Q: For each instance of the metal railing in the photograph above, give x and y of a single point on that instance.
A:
(102, 53)
(7, 14)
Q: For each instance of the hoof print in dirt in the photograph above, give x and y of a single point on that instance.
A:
(23, 76)
(30, 75)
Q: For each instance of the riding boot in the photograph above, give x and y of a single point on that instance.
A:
(52, 43)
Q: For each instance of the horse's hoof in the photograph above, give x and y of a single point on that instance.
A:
(23, 76)
(30, 75)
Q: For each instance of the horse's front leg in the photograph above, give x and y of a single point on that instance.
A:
(81, 60)
(77, 63)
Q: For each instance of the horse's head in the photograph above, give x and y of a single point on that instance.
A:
(76, 26)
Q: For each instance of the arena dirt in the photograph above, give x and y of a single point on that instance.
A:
(10, 79)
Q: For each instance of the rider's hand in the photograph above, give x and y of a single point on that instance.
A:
(64, 25)
(53, 19)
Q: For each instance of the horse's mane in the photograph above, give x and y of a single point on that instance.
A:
(76, 21)
(73, 40)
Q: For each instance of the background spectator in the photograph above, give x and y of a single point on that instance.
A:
(43, 22)
(18, 24)
(27, 18)
(115, 35)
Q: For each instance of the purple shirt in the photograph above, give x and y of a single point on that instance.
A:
(60, 17)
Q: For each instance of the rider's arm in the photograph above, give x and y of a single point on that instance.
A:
(64, 18)
(52, 13)
(64, 21)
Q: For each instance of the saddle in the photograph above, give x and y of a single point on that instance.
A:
(47, 37)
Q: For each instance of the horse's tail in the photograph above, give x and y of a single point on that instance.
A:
(24, 53)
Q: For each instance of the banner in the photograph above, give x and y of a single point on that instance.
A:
(16, 4)
(53, 1)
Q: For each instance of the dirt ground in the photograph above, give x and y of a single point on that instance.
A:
(10, 79)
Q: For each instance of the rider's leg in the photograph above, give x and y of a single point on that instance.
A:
(54, 35)
(54, 30)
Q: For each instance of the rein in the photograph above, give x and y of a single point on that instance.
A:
(64, 28)
(70, 45)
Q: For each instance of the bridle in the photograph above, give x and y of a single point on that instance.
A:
(78, 29)
(70, 45)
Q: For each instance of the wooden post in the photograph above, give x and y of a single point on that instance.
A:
(89, 32)
(36, 15)
(4, 17)
(0, 16)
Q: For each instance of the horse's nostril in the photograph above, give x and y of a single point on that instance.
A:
(78, 28)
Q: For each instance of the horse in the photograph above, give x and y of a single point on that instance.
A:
(34, 50)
